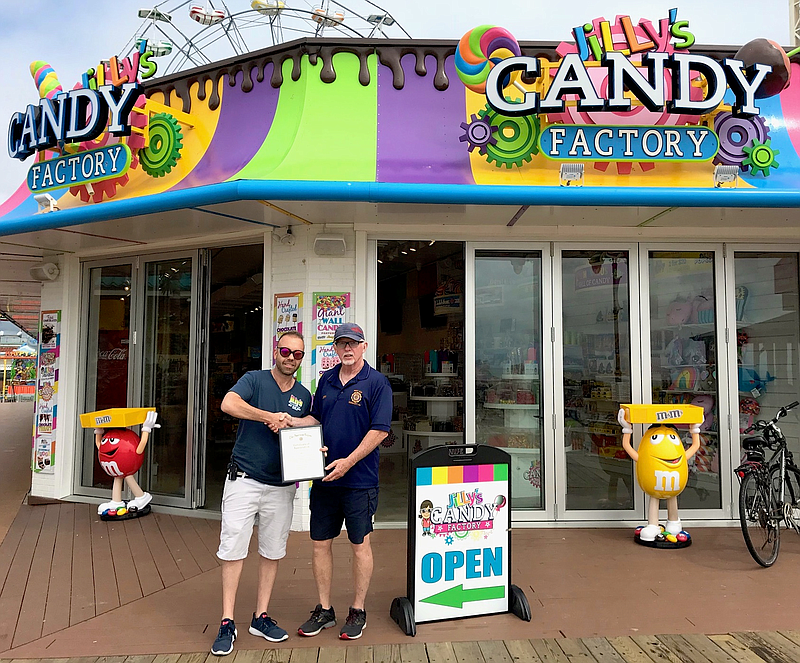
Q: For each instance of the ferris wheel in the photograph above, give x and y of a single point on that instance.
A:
(192, 33)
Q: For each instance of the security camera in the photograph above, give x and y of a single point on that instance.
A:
(46, 202)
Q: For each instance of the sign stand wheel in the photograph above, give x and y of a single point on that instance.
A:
(403, 613)
(519, 604)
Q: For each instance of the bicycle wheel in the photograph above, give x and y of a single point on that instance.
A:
(760, 527)
(792, 492)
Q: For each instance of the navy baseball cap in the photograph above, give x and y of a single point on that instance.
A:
(349, 330)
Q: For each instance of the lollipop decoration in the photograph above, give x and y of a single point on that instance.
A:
(46, 80)
(479, 50)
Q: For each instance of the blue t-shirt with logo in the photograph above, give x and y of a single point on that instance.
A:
(347, 413)
(257, 451)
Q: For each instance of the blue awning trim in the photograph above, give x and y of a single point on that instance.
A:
(392, 192)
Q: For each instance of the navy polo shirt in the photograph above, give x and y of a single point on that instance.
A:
(347, 413)
(257, 451)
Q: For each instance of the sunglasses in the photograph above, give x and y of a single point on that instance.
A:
(286, 352)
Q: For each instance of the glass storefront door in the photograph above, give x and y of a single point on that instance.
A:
(168, 367)
(595, 317)
(140, 318)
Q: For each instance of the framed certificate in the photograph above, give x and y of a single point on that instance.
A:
(301, 458)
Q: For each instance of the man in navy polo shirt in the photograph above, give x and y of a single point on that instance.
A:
(354, 404)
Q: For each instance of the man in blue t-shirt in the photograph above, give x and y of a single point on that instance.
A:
(353, 402)
(263, 401)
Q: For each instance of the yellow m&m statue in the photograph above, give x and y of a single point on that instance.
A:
(661, 465)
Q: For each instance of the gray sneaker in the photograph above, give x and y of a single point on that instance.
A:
(321, 618)
(355, 624)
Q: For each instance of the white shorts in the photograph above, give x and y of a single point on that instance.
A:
(241, 501)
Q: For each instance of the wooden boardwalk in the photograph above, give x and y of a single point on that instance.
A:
(61, 565)
(743, 647)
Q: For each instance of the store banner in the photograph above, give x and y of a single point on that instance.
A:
(44, 427)
(287, 315)
(331, 309)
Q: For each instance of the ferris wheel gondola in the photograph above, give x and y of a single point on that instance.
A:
(160, 48)
(205, 16)
(268, 7)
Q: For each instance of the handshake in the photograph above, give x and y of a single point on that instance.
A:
(279, 420)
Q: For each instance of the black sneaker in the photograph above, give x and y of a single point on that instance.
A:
(223, 645)
(355, 624)
(320, 619)
(267, 628)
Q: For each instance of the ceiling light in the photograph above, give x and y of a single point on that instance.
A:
(432, 242)
(405, 253)
(411, 248)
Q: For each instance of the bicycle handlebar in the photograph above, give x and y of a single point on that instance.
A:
(761, 424)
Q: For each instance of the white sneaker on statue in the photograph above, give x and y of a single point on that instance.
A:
(673, 527)
(649, 532)
(106, 506)
(140, 502)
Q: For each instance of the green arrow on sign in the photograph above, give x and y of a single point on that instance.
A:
(457, 596)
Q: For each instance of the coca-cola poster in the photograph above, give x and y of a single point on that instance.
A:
(44, 426)
(112, 368)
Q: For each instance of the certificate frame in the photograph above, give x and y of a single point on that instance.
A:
(301, 458)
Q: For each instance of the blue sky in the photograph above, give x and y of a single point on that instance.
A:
(73, 35)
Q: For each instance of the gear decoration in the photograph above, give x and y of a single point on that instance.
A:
(108, 188)
(478, 134)
(516, 138)
(760, 157)
(735, 134)
(166, 143)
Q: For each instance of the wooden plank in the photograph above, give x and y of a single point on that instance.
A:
(602, 651)
(782, 643)
(197, 657)
(575, 651)
(762, 648)
(794, 636)
(629, 650)
(736, 649)
(138, 659)
(165, 658)
(82, 605)
(549, 651)
(14, 588)
(655, 649)
(149, 578)
(10, 543)
(384, 653)
(522, 651)
(359, 654)
(167, 568)
(31, 614)
(682, 649)
(111, 659)
(246, 656)
(494, 651)
(83, 659)
(176, 546)
(105, 583)
(708, 648)
(304, 655)
(440, 652)
(466, 652)
(331, 655)
(194, 544)
(124, 568)
(59, 594)
(277, 656)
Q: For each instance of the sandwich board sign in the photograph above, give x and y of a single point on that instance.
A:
(459, 544)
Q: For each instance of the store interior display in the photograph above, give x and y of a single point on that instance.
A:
(420, 349)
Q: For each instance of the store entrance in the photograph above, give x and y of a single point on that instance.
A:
(420, 348)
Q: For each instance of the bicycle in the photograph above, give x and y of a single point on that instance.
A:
(764, 486)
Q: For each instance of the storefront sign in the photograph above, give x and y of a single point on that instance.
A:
(103, 103)
(74, 169)
(626, 143)
(44, 427)
(661, 80)
(461, 553)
